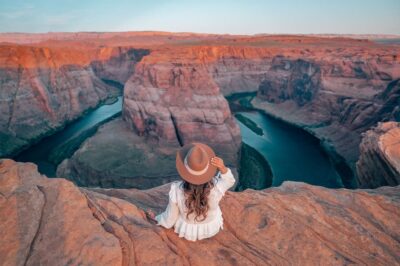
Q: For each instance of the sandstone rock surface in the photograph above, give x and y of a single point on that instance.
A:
(171, 97)
(379, 163)
(334, 87)
(52, 222)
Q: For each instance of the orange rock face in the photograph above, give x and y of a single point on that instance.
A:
(47, 221)
(334, 87)
(61, 75)
(379, 163)
(43, 88)
(52, 222)
(177, 101)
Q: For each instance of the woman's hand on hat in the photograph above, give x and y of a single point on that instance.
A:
(219, 163)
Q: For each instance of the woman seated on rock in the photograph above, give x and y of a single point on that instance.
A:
(193, 209)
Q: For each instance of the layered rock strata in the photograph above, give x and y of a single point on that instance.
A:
(336, 88)
(173, 98)
(379, 163)
(44, 88)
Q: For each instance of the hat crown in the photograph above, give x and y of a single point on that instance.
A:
(197, 158)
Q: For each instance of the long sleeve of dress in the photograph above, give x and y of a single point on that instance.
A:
(226, 181)
(168, 218)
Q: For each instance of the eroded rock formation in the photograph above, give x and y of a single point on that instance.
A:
(379, 163)
(44, 88)
(336, 88)
(171, 97)
(292, 224)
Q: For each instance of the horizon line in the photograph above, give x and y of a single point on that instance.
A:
(204, 33)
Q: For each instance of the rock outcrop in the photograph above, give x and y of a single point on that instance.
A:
(171, 97)
(379, 163)
(291, 224)
(44, 88)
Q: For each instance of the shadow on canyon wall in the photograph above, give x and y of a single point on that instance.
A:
(173, 94)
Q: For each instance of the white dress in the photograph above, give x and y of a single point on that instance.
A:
(175, 213)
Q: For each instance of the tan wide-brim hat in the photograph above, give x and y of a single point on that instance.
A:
(193, 162)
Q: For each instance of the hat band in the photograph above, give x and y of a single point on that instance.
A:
(194, 172)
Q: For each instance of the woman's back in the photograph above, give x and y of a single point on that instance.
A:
(187, 226)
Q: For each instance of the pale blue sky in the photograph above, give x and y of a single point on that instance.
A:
(235, 17)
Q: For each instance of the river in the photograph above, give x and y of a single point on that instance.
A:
(292, 153)
(50, 151)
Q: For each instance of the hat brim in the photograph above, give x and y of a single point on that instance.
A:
(185, 174)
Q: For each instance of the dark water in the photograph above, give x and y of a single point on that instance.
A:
(293, 154)
(68, 139)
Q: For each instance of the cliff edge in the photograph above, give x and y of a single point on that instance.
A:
(53, 222)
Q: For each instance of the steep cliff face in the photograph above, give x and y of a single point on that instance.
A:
(335, 88)
(379, 163)
(336, 97)
(295, 80)
(44, 88)
(292, 224)
(117, 64)
(172, 98)
(335, 105)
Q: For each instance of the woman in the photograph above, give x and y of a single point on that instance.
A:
(193, 209)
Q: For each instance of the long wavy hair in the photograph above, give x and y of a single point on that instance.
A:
(196, 199)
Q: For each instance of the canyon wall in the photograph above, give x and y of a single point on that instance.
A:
(334, 88)
(43, 88)
(336, 91)
(379, 163)
(295, 223)
(171, 98)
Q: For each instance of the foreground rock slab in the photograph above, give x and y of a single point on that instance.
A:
(52, 222)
